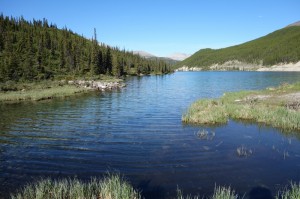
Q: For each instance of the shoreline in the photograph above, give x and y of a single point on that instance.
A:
(277, 107)
(235, 65)
(56, 89)
(289, 67)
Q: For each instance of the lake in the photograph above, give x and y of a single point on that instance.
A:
(137, 132)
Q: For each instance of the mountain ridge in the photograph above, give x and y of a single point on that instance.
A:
(150, 56)
(143, 54)
(177, 56)
(294, 24)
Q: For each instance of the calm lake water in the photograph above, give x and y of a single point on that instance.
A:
(137, 132)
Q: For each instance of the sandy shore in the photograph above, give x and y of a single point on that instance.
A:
(238, 65)
(282, 67)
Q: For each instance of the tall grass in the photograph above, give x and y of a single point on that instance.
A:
(111, 187)
(180, 195)
(292, 193)
(224, 193)
(115, 187)
(219, 193)
(267, 106)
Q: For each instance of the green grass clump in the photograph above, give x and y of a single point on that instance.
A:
(115, 187)
(111, 187)
(267, 106)
(206, 112)
(219, 193)
(292, 193)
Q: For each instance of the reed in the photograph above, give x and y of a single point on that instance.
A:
(290, 193)
(224, 193)
(115, 187)
(111, 187)
(219, 193)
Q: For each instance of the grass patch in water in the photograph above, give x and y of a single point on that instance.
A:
(278, 107)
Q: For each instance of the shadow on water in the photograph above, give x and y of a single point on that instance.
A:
(260, 193)
(149, 191)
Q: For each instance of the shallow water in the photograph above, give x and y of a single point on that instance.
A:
(137, 132)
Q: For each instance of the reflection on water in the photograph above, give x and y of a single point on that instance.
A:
(137, 131)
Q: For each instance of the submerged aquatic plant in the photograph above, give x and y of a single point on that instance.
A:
(285, 154)
(243, 151)
(205, 135)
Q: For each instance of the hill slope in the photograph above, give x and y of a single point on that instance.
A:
(281, 46)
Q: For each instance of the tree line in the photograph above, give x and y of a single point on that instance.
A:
(36, 50)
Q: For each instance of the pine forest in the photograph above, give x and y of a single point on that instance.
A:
(36, 50)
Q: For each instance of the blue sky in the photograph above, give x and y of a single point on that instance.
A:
(162, 27)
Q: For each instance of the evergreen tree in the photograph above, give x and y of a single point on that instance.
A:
(35, 50)
(108, 61)
(116, 68)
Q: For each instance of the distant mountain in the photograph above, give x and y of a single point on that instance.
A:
(153, 57)
(143, 54)
(168, 60)
(179, 56)
(281, 46)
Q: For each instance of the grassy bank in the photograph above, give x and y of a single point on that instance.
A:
(278, 107)
(14, 93)
(115, 187)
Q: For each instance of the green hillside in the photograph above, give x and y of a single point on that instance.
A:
(36, 50)
(281, 46)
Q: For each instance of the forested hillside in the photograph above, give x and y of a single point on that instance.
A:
(37, 50)
(281, 46)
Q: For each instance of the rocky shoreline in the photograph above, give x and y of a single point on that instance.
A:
(97, 85)
(186, 68)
